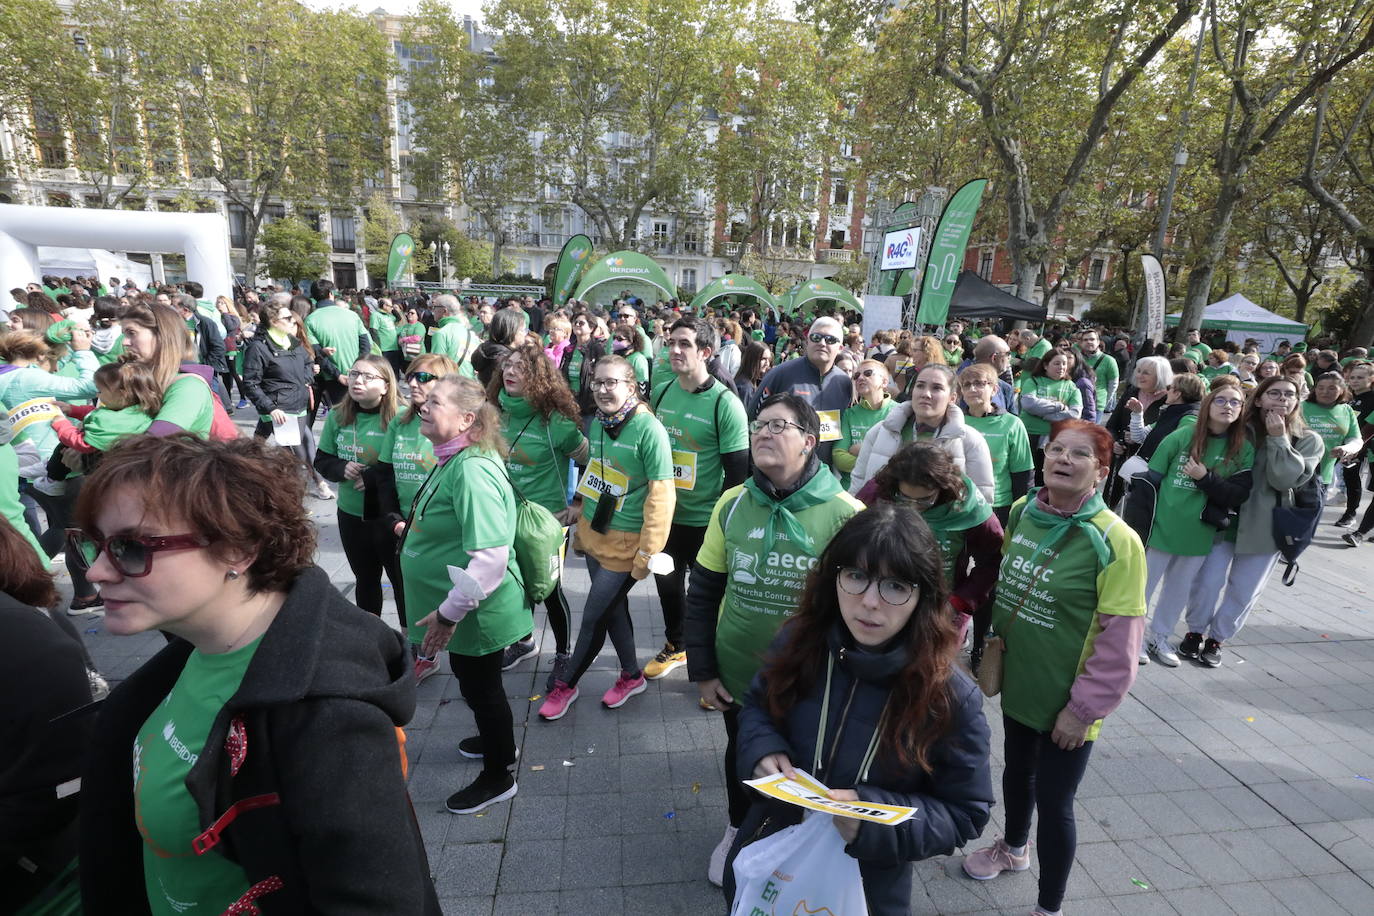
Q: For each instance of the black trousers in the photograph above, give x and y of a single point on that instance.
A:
(736, 792)
(684, 543)
(370, 547)
(58, 510)
(479, 681)
(1039, 776)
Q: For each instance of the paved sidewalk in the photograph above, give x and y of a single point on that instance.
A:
(1248, 789)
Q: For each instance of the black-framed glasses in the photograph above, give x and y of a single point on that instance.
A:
(828, 339)
(776, 426)
(855, 581)
(421, 378)
(354, 375)
(607, 384)
(130, 554)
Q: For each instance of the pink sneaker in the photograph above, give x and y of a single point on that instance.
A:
(425, 667)
(556, 704)
(624, 688)
(990, 861)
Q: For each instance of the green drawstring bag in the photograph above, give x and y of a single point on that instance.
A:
(538, 545)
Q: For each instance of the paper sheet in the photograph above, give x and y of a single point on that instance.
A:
(804, 791)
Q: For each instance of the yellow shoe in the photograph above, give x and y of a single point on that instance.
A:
(667, 660)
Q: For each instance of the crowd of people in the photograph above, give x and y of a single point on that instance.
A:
(848, 538)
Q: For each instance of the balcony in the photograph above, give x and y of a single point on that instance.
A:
(788, 253)
(836, 256)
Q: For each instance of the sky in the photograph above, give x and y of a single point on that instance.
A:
(471, 8)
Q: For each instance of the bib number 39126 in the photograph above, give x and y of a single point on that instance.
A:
(602, 478)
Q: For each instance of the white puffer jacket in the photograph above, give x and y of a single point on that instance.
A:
(965, 445)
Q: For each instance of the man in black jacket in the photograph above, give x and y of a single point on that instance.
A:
(209, 344)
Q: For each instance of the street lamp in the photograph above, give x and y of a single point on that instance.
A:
(441, 253)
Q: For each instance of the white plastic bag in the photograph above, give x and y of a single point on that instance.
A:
(801, 869)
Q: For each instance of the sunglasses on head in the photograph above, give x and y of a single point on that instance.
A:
(424, 378)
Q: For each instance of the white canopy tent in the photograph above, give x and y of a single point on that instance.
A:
(97, 262)
(1242, 319)
(202, 237)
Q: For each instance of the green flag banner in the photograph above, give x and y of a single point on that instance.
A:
(947, 252)
(399, 261)
(888, 279)
(572, 261)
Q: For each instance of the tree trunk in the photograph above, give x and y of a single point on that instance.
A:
(498, 247)
(250, 249)
(1362, 333)
(1213, 250)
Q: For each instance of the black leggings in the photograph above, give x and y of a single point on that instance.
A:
(479, 681)
(556, 605)
(607, 612)
(1354, 488)
(59, 510)
(736, 792)
(230, 378)
(684, 543)
(1039, 776)
(370, 547)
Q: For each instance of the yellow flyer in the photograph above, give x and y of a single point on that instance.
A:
(806, 792)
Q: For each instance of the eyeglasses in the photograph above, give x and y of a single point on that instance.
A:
(131, 555)
(627, 315)
(1278, 395)
(828, 339)
(606, 384)
(776, 426)
(287, 317)
(918, 502)
(421, 378)
(855, 581)
(356, 376)
(1228, 402)
(1076, 454)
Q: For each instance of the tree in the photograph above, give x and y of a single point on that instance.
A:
(1276, 57)
(280, 101)
(381, 224)
(620, 92)
(294, 250)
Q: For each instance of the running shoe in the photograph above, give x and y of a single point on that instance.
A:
(1345, 520)
(715, 869)
(670, 658)
(425, 668)
(486, 790)
(1162, 652)
(517, 652)
(561, 662)
(1211, 654)
(92, 605)
(1353, 538)
(624, 687)
(556, 704)
(1191, 645)
(990, 861)
(243, 402)
(473, 749)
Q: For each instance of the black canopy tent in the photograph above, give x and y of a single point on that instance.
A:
(975, 297)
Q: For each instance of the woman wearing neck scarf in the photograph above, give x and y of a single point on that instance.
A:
(458, 564)
(872, 641)
(628, 499)
(922, 476)
(930, 414)
(1070, 607)
(871, 406)
(764, 537)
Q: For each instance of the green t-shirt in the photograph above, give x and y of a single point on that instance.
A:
(701, 426)
(338, 327)
(855, 422)
(188, 404)
(411, 349)
(103, 427)
(113, 354)
(762, 590)
(455, 340)
(1057, 595)
(539, 450)
(1336, 425)
(11, 509)
(465, 506)
(1038, 349)
(640, 363)
(1108, 375)
(168, 745)
(1178, 527)
(624, 465)
(575, 369)
(1009, 446)
(662, 369)
(385, 327)
(1042, 387)
(360, 442)
(411, 457)
(951, 522)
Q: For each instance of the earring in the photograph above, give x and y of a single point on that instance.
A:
(232, 574)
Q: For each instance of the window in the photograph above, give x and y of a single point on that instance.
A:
(689, 280)
(660, 233)
(57, 199)
(836, 238)
(54, 155)
(1095, 273)
(311, 218)
(985, 264)
(345, 275)
(691, 241)
(341, 229)
(525, 267)
(273, 213)
(238, 226)
(840, 192)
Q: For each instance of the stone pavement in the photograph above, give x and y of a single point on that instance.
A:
(1248, 789)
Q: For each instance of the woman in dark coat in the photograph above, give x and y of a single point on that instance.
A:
(905, 726)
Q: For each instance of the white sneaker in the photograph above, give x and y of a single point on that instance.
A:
(1161, 650)
(715, 871)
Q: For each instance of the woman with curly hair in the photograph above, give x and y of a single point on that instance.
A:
(872, 637)
(912, 355)
(541, 421)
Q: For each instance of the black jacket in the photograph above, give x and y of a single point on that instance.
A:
(319, 711)
(277, 379)
(1165, 423)
(953, 800)
(210, 344)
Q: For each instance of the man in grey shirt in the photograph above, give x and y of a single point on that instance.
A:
(815, 379)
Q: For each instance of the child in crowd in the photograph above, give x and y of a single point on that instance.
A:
(129, 399)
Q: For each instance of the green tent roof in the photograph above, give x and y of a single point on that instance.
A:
(810, 290)
(621, 270)
(732, 285)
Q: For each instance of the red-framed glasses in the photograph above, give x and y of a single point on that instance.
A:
(130, 554)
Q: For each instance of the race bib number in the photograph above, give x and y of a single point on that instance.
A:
(602, 478)
(685, 470)
(830, 425)
(38, 410)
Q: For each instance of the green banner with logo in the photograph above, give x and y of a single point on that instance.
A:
(572, 261)
(889, 279)
(398, 263)
(947, 252)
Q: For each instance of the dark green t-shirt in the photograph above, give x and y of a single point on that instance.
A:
(702, 426)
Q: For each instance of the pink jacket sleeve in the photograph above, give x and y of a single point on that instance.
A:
(487, 567)
(1110, 670)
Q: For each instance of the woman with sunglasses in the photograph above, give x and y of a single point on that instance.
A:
(763, 539)
(579, 362)
(541, 422)
(350, 447)
(278, 373)
(1204, 476)
(241, 724)
(922, 476)
(872, 638)
(1070, 609)
(872, 404)
(625, 343)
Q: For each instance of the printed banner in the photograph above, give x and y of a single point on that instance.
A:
(401, 257)
(572, 261)
(804, 791)
(1155, 294)
(900, 247)
(947, 253)
(889, 279)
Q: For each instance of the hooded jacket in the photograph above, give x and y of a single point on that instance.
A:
(964, 444)
(277, 379)
(953, 800)
(318, 801)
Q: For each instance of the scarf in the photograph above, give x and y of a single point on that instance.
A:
(1060, 523)
(280, 338)
(612, 421)
(962, 515)
(813, 489)
(442, 453)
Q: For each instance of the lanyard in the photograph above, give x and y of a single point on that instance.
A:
(872, 751)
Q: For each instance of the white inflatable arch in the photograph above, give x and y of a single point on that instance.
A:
(202, 237)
